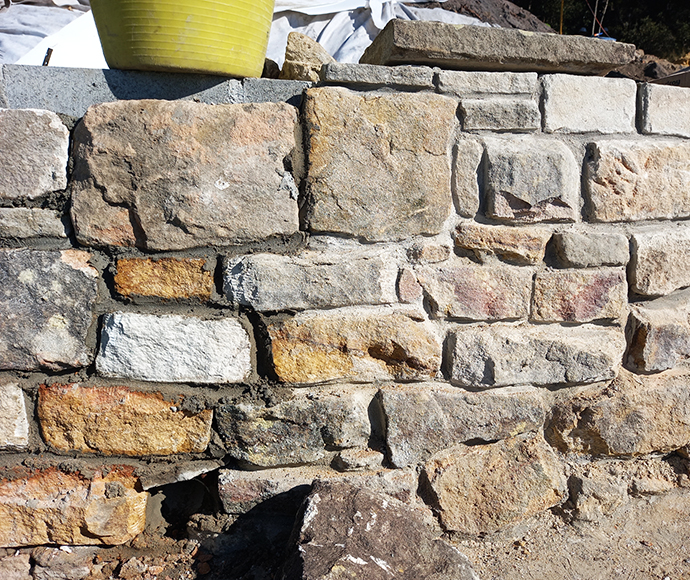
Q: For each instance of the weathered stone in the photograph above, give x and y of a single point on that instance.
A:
(57, 507)
(16, 567)
(660, 260)
(665, 110)
(38, 142)
(579, 295)
(358, 345)
(378, 164)
(659, 333)
(304, 58)
(500, 114)
(467, 156)
(169, 175)
(487, 488)
(638, 180)
(635, 415)
(173, 349)
(531, 180)
(349, 532)
(167, 278)
(425, 252)
(452, 46)
(488, 84)
(524, 245)
(424, 419)
(502, 355)
(296, 431)
(268, 282)
(25, 223)
(119, 421)
(46, 309)
(409, 290)
(14, 424)
(358, 460)
(161, 473)
(57, 564)
(596, 496)
(419, 77)
(581, 104)
(590, 249)
(462, 289)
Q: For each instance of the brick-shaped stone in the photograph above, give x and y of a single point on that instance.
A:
(26, 223)
(38, 142)
(119, 421)
(531, 180)
(14, 423)
(500, 114)
(590, 249)
(581, 104)
(638, 180)
(173, 349)
(664, 110)
(502, 355)
(465, 290)
(488, 84)
(579, 295)
(467, 156)
(378, 163)
(660, 260)
(360, 345)
(269, 282)
(523, 245)
(170, 175)
(46, 309)
(369, 75)
(166, 278)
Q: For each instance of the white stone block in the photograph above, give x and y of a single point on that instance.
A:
(14, 424)
(665, 110)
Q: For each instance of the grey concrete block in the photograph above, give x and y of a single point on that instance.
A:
(664, 110)
(274, 91)
(376, 76)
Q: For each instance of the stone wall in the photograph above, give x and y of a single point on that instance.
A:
(462, 290)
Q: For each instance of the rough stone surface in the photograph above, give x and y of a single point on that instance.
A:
(638, 180)
(467, 156)
(504, 355)
(269, 282)
(297, 431)
(57, 564)
(46, 309)
(166, 278)
(500, 114)
(423, 419)
(17, 567)
(487, 84)
(25, 223)
(465, 290)
(579, 295)
(634, 415)
(531, 180)
(358, 460)
(57, 507)
(409, 289)
(421, 77)
(591, 249)
(304, 58)
(354, 345)
(664, 110)
(472, 47)
(378, 163)
(349, 532)
(524, 245)
(119, 421)
(173, 175)
(38, 142)
(173, 348)
(486, 488)
(14, 424)
(577, 104)
(660, 260)
(429, 252)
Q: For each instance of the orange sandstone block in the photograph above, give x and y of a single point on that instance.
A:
(167, 278)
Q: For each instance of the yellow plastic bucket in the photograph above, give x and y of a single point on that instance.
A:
(224, 37)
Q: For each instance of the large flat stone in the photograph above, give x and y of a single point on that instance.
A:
(14, 423)
(660, 260)
(378, 163)
(173, 348)
(26, 223)
(501, 49)
(46, 309)
(173, 175)
(524, 245)
(590, 249)
(503, 355)
(665, 110)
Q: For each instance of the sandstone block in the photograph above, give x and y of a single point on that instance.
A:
(523, 245)
(500, 114)
(638, 180)
(487, 488)
(57, 564)
(57, 507)
(373, 76)
(304, 58)
(409, 289)
(14, 423)
(26, 223)
(424, 419)
(46, 309)
(467, 156)
(579, 295)
(591, 249)
(378, 163)
(16, 567)
(358, 460)
(297, 431)
(465, 290)
(428, 252)
(38, 142)
(502, 355)
(581, 104)
(357, 345)
(487, 84)
(268, 282)
(660, 260)
(166, 278)
(173, 349)
(665, 110)
(170, 175)
(531, 180)
(119, 421)
(451, 46)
